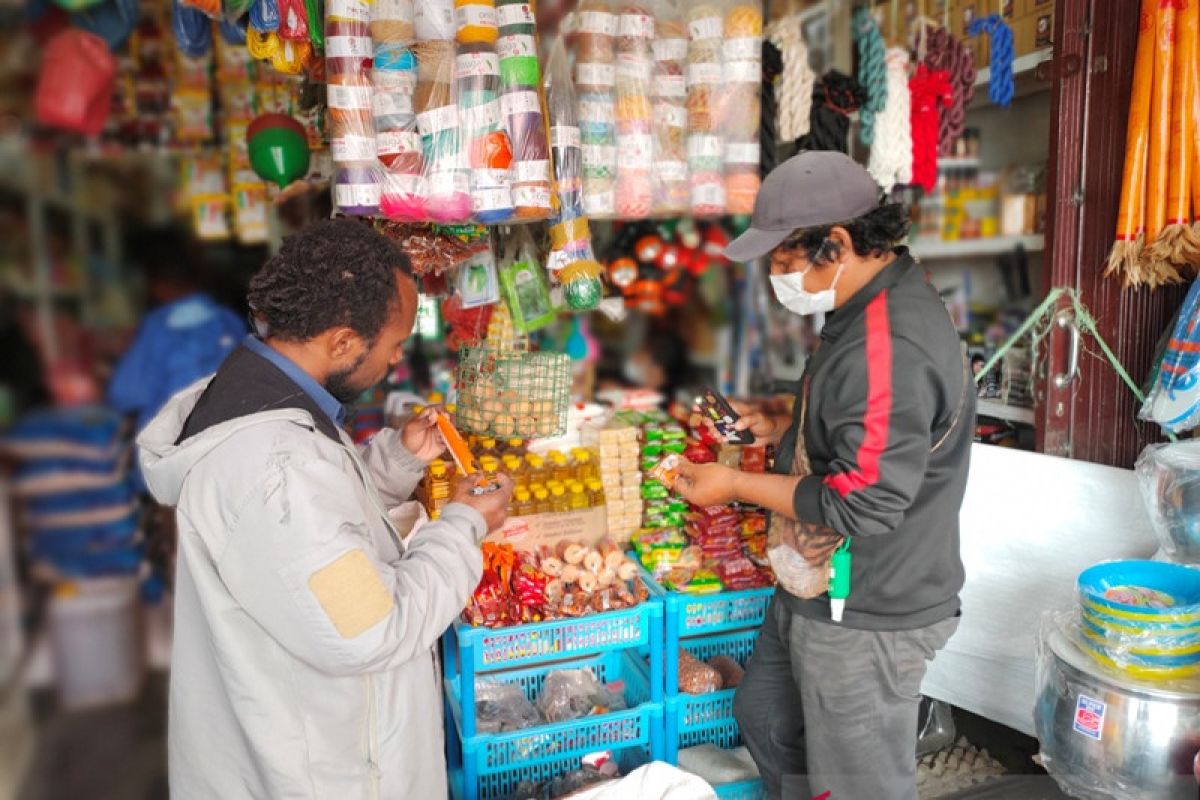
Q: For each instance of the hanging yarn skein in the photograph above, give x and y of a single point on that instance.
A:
(941, 52)
(835, 97)
(794, 92)
(1000, 87)
(872, 71)
(768, 134)
(931, 91)
(891, 160)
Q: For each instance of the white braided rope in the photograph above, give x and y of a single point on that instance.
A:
(891, 153)
(794, 91)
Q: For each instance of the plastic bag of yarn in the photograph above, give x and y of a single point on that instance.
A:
(447, 166)
(349, 54)
(75, 86)
(264, 16)
(570, 237)
(434, 20)
(669, 112)
(392, 22)
(632, 110)
(522, 106)
(192, 29)
(489, 148)
(393, 84)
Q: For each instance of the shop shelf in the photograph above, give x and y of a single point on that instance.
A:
(929, 249)
(488, 762)
(470, 652)
(998, 409)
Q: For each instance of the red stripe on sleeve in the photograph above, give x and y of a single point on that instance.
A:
(879, 403)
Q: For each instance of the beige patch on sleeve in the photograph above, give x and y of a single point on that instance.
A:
(351, 593)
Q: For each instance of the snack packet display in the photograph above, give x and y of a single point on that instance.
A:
(741, 106)
(595, 79)
(669, 172)
(705, 147)
(523, 109)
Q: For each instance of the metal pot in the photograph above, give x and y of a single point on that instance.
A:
(1108, 737)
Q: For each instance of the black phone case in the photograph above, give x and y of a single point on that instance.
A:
(722, 415)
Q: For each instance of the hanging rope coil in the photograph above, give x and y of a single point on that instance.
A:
(891, 160)
(794, 90)
(872, 71)
(835, 97)
(1000, 87)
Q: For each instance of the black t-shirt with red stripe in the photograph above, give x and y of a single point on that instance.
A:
(888, 432)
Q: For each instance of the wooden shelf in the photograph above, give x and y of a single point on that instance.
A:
(1002, 411)
(1023, 65)
(930, 250)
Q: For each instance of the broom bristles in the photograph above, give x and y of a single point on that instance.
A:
(1124, 261)
(1169, 254)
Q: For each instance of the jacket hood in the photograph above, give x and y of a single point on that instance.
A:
(165, 464)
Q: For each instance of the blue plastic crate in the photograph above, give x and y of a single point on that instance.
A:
(681, 732)
(488, 760)
(698, 615)
(469, 652)
(742, 790)
(704, 709)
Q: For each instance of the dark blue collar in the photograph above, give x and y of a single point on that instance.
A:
(319, 394)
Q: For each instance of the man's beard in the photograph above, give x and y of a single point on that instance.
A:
(340, 385)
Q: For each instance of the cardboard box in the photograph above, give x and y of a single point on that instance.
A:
(1032, 33)
(588, 527)
(962, 12)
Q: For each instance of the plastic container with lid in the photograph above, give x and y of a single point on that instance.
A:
(96, 640)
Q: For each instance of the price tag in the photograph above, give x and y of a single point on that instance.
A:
(706, 28)
(349, 97)
(349, 195)
(703, 74)
(476, 16)
(476, 65)
(670, 49)
(436, 120)
(349, 47)
(745, 48)
(351, 148)
(601, 22)
(516, 14)
(590, 74)
(524, 102)
(564, 136)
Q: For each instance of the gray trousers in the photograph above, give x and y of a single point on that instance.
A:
(823, 708)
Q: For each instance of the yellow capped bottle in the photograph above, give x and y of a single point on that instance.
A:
(579, 499)
(523, 503)
(558, 499)
(596, 488)
(541, 501)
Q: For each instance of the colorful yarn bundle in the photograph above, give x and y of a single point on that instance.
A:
(930, 92)
(1000, 87)
(477, 21)
(891, 158)
(835, 97)
(944, 53)
(434, 20)
(794, 91)
(394, 81)
(705, 146)
(447, 176)
(391, 21)
(522, 110)
(632, 112)
(595, 80)
(740, 108)
(348, 60)
(477, 70)
(872, 71)
(669, 116)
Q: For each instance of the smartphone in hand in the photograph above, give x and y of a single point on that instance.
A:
(717, 410)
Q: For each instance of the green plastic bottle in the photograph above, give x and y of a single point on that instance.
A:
(839, 580)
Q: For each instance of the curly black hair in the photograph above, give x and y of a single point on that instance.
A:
(878, 231)
(333, 273)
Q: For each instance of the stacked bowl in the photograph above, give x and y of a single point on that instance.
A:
(1142, 618)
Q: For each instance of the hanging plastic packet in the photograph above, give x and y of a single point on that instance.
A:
(489, 149)
(348, 59)
(447, 173)
(478, 283)
(741, 105)
(523, 282)
(523, 108)
(398, 144)
(705, 147)
(632, 111)
(595, 80)
(1174, 399)
(293, 20)
(669, 175)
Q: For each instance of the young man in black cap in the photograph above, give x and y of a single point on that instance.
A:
(875, 459)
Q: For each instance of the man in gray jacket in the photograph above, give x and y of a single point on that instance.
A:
(305, 625)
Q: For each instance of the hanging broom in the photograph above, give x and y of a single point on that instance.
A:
(1126, 249)
(1151, 272)
(1177, 246)
(1196, 143)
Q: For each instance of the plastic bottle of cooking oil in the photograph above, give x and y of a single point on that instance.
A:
(522, 503)
(596, 489)
(487, 447)
(516, 447)
(560, 467)
(558, 499)
(541, 500)
(537, 468)
(579, 499)
(516, 470)
(437, 488)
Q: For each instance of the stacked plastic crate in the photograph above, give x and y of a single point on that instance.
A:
(488, 766)
(726, 623)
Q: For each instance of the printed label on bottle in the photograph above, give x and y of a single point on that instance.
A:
(637, 150)
(349, 195)
(736, 153)
(743, 48)
(531, 171)
(349, 47)
(349, 97)
(531, 196)
(387, 104)
(516, 14)
(671, 86)
(476, 65)
(350, 148)
(564, 136)
(601, 22)
(525, 102)
(668, 115)
(389, 10)
(706, 28)
(448, 182)
(394, 143)
(436, 120)
(600, 111)
(482, 117)
(590, 74)
(743, 71)
(516, 46)
(356, 10)
(670, 49)
(638, 26)
(476, 16)
(671, 171)
(703, 74)
(599, 155)
(634, 68)
(700, 146)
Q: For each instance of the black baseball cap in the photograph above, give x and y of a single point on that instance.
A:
(818, 187)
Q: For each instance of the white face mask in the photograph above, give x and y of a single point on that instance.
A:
(790, 292)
